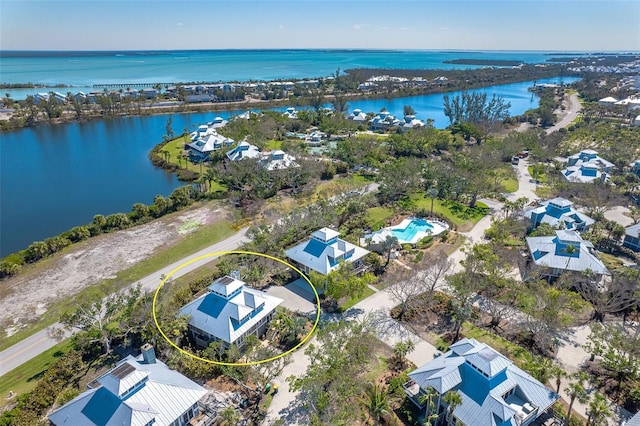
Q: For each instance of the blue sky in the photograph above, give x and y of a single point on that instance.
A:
(372, 24)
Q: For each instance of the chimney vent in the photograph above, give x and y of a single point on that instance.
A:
(148, 354)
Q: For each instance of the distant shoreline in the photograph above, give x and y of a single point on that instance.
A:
(488, 62)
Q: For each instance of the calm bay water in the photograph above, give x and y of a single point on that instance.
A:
(84, 69)
(55, 177)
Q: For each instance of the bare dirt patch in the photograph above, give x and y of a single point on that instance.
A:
(27, 295)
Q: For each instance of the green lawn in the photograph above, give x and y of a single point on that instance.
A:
(24, 378)
(376, 216)
(510, 185)
(273, 144)
(349, 303)
(460, 215)
(543, 178)
(190, 244)
(611, 262)
(175, 147)
(340, 184)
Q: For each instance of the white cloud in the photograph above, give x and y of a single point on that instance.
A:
(282, 28)
(179, 24)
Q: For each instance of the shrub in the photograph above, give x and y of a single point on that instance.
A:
(187, 175)
(77, 233)
(426, 242)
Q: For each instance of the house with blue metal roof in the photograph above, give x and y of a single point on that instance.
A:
(383, 121)
(587, 166)
(494, 392)
(633, 421)
(324, 252)
(565, 251)
(229, 312)
(242, 151)
(139, 391)
(559, 213)
(206, 143)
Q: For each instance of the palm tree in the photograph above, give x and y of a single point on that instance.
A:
(431, 410)
(598, 410)
(575, 391)
(387, 245)
(229, 416)
(570, 250)
(376, 400)
(557, 372)
(402, 348)
(453, 400)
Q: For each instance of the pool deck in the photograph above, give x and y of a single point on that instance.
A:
(438, 227)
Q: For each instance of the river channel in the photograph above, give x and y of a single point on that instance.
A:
(54, 177)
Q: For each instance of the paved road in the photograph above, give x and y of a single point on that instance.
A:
(572, 113)
(41, 341)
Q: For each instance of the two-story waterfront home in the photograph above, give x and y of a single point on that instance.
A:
(324, 251)
(559, 213)
(357, 116)
(383, 121)
(493, 390)
(137, 392)
(565, 251)
(587, 166)
(208, 142)
(229, 312)
(411, 122)
(242, 151)
(291, 113)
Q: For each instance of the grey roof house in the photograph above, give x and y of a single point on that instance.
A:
(632, 237)
(230, 311)
(587, 166)
(493, 390)
(559, 213)
(324, 251)
(565, 251)
(139, 391)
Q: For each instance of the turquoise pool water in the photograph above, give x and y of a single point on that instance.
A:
(408, 234)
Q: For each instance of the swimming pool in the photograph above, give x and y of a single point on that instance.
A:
(410, 231)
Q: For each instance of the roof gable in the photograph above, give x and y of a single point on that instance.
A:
(101, 407)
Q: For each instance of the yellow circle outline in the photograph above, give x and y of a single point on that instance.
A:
(235, 364)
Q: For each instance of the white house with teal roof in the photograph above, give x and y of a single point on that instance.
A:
(324, 252)
(209, 141)
(139, 391)
(242, 151)
(494, 392)
(587, 166)
(559, 213)
(411, 122)
(278, 160)
(565, 251)
(383, 121)
(229, 312)
(357, 116)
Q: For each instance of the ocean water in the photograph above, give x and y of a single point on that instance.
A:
(82, 70)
